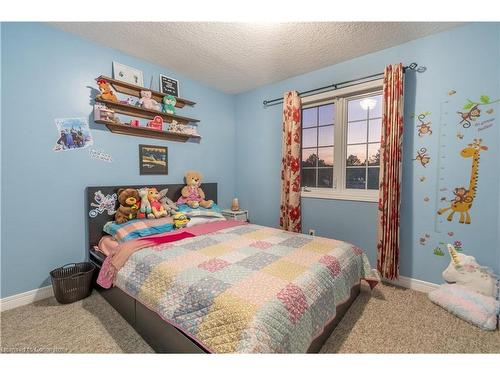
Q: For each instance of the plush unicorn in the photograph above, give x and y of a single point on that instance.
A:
(464, 270)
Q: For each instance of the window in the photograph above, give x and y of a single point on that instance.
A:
(317, 146)
(341, 133)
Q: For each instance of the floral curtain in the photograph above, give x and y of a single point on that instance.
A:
(390, 173)
(290, 163)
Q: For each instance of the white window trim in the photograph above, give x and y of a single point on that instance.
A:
(338, 191)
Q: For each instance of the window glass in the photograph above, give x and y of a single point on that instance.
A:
(374, 126)
(308, 177)
(325, 136)
(310, 137)
(356, 132)
(325, 177)
(325, 156)
(363, 142)
(309, 157)
(374, 154)
(326, 115)
(373, 174)
(356, 155)
(309, 117)
(317, 146)
(355, 112)
(356, 178)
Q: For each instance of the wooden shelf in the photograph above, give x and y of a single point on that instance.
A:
(134, 90)
(134, 111)
(145, 132)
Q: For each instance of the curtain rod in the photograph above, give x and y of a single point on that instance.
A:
(413, 66)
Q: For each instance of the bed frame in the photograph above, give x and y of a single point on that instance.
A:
(160, 335)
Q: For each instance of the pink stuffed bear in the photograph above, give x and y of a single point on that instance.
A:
(192, 194)
(146, 101)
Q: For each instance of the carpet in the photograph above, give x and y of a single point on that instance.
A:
(386, 320)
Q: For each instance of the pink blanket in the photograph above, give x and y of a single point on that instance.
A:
(115, 261)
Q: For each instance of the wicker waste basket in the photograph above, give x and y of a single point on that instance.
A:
(72, 282)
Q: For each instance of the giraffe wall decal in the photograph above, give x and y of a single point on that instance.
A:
(464, 197)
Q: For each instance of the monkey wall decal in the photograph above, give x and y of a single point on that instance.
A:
(461, 195)
(472, 110)
(424, 127)
(423, 157)
(473, 114)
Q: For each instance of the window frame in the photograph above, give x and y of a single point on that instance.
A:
(340, 98)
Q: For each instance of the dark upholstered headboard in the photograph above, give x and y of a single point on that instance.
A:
(98, 215)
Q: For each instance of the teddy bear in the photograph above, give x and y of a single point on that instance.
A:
(106, 92)
(156, 207)
(169, 103)
(129, 205)
(146, 101)
(192, 194)
(145, 210)
(167, 203)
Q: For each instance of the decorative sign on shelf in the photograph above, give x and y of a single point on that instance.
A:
(128, 74)
(169, 86)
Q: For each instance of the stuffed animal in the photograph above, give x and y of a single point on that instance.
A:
(156, 207)
(145, 210)
(180, 220)
(167, 203)
(464, 270)
(130, 101)
(106, 92)
(129, 205)
(146, 101)
(169, 103)
(192, 194)
(156, 123)
(176, 127)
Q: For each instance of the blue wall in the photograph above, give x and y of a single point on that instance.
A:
(46, 74)
(470, 74)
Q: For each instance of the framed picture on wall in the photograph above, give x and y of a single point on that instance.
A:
(153, 160)
(127, 74)
(169, 86)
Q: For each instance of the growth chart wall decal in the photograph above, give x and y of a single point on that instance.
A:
(462, 202)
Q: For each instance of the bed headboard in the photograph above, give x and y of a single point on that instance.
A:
(98, 215)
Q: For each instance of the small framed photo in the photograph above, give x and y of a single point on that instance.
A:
(169, 86)
(153, 160)
(127, 74)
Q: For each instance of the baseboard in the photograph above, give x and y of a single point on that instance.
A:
(25, 298)
(415, 284)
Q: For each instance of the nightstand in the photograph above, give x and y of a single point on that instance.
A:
(235, 215)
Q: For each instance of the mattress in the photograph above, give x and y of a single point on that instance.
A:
(248, 288)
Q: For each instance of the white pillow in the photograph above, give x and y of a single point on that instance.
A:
(472, 307)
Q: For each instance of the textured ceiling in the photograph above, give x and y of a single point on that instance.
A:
(236, 57)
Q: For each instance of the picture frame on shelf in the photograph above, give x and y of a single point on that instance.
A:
(127, 74)
(169, 86)
(153, 160)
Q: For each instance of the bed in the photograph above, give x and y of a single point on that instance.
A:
(238, 288)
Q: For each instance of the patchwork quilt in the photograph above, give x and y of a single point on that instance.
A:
(249, 288)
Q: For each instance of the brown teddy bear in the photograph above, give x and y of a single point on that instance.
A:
(129, 205)
(192, 194)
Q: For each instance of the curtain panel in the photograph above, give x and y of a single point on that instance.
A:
(390, 173)
(290, 215)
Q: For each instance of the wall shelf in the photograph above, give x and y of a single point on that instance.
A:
(134, 90)
(135, 111)
(142, 131)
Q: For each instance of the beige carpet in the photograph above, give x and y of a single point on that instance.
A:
(387, 320)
